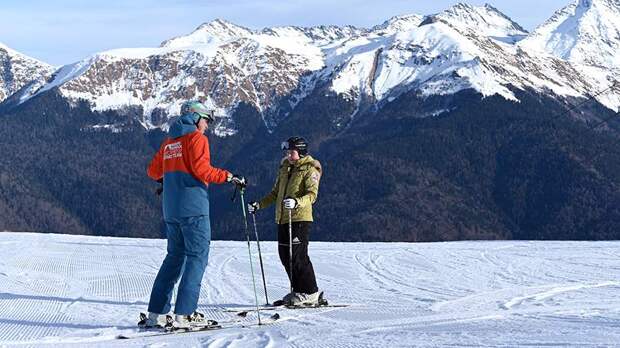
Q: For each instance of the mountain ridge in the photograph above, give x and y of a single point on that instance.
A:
(273, 69)
(19, 71)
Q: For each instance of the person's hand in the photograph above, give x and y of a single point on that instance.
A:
(253, 207)
(160, 189)
(289, 203)
(237, 180)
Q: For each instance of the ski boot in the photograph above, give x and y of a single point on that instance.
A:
(286, 300)
(152, 320)
(187, 322)
(308, 300)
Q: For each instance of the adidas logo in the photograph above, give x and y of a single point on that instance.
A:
(296, 240)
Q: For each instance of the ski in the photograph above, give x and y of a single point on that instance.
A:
(164, 331)
(140, 333)
(243, 311)
(251, 309)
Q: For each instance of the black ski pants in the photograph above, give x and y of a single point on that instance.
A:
(303, 272)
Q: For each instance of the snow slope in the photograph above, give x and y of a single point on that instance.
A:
(76, 290)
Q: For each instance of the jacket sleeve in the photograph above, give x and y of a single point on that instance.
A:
(271, 196)
(199, 162)
(155, 169)
(311, 183)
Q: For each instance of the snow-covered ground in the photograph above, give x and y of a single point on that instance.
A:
(73, 290)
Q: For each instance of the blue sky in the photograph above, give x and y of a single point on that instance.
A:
(63, 31)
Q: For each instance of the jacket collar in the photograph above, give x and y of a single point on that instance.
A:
(300, 162)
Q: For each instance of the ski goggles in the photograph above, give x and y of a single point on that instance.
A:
(207, 116)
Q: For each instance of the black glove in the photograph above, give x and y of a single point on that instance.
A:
(253, 207)
(160, 189)
(237, 180)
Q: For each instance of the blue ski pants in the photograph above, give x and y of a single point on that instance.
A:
(188, 254)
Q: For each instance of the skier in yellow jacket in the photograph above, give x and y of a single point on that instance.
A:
(295, 190)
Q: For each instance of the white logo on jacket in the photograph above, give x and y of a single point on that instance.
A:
(173, 150)
(315, 177)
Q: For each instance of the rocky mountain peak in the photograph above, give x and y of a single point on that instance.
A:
(483, 20)
(600, 3)
(574, 32)
(18, 70)
(400, 23)
(319, 35)
(218, 30)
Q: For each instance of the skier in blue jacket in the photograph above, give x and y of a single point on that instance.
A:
(183, 163)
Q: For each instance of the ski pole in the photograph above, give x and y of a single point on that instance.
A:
(290, 246)
(247, 234)
(260, 258)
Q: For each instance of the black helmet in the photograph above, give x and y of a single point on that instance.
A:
(296, 143)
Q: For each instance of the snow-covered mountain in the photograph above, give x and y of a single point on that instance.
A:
(485, 20)
(462, 47)
(219, 61)
(398, 23)
(18, 70)
(585, 31)
(275, 68)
